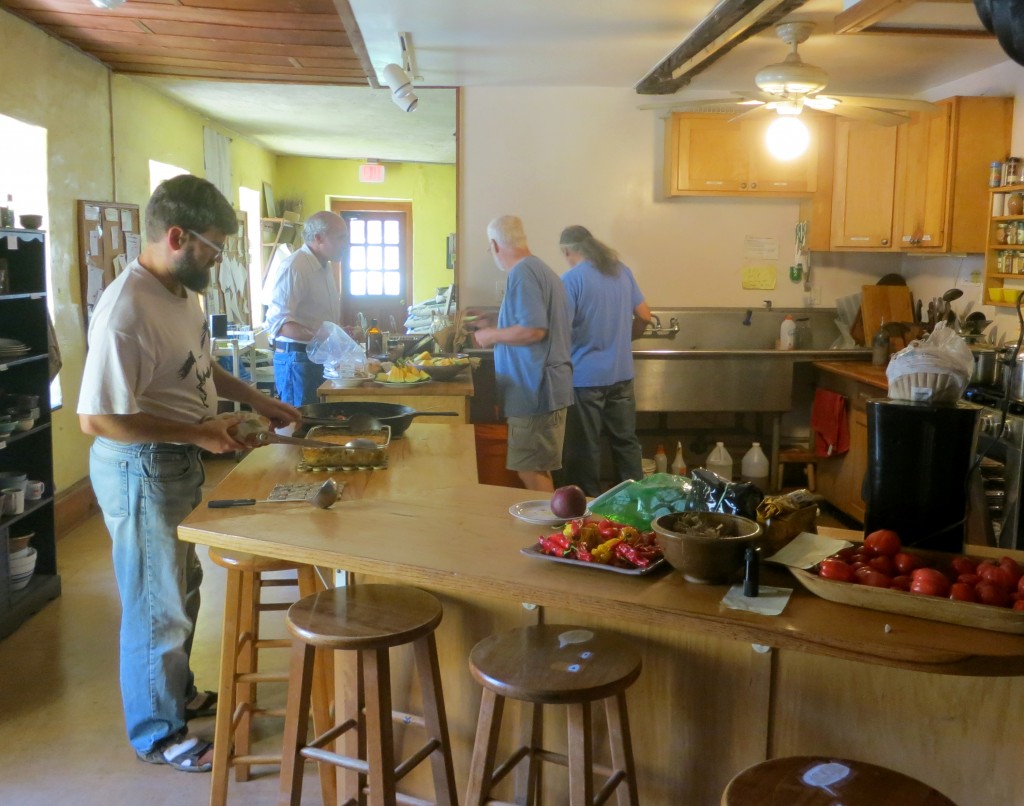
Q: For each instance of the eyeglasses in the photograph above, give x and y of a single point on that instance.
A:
(217, 248)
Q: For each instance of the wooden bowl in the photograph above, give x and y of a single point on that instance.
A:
(707, 559)
(30, 221)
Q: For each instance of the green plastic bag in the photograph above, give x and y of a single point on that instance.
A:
(637, 503)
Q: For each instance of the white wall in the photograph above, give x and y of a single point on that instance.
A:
(560, 156)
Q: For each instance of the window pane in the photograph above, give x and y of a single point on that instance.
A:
(392, 258)
(392, 232)
(373, 231)
(374, 283)
(374, 258)
(357, 258)
(357, 231)
(392, 283)
(357, 282)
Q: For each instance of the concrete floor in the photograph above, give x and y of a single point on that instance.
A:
(61, 727)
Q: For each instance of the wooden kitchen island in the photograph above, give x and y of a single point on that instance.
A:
(720, 689)
(434, 396)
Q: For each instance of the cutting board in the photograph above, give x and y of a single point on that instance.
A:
(885, 303)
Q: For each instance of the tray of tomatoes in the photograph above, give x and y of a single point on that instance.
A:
(601, 544)
(880, 574)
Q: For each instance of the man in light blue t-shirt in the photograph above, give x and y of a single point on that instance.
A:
(531, 355)
(607, 310)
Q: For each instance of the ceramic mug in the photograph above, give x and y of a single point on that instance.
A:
(13, 500)
(34, 490)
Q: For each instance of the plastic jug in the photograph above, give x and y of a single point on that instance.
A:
(679, 463)
(720, 462)
(754, 467)
(787, 334)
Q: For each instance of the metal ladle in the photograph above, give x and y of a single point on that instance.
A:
(323, 498)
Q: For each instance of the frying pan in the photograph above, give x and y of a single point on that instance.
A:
(396, 415)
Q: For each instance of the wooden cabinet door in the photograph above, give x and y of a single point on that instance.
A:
(864, 190)
(857, 463)
(708, 153)
(770, 175)
(926, 177)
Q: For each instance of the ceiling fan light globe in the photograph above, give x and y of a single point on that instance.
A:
(787, 138)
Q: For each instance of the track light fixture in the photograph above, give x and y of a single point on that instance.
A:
(401, 88)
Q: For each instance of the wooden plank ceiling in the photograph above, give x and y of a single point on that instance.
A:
(269, 41)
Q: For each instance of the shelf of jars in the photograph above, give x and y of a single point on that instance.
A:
(1004, 255)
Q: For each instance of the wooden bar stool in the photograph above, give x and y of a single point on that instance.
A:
(241, 644)
(369, 620)
(825, 781)
(797, 455)
(554, 664)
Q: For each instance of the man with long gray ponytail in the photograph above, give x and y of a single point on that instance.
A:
(607, 310)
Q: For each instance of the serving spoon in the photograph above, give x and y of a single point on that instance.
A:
(323, 498)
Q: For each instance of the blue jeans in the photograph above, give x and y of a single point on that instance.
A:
(145, 491)
(297, 378)
(601, 409)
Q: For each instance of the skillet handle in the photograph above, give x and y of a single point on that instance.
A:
(435, 414)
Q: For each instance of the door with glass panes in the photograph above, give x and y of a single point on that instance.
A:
(376, 274)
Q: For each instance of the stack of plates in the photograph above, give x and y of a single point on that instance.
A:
(22, 566)
(12, 348)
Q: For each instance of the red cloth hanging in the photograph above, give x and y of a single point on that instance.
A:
(830, 423)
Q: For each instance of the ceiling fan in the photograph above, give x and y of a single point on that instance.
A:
(789, 86)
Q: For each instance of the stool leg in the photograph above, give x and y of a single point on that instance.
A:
(485, 748)
(225, 691)
(622, 747)
(581, 755)
(380, 738)
(445, 791)
(248, 625)
(296, 722)
(810, 476)
(534, 768)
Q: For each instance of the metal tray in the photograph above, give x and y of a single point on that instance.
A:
(535, 551)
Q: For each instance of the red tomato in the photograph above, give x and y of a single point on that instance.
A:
(901, 583)
(1019, 604)
(883, 563)
(992, 594)
(969, 579)
(964, 565)
(1020, 586)
(905, 563)
(837, 570)
(930, 582)
(883, 541)
(996, 574)
(1011, 567)
(845, 554)
(962, 592)
(869, 576)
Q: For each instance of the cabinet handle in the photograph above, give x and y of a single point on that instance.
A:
(753, 185)
(743, 185)
(885, 241)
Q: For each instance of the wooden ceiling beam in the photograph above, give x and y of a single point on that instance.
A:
(355, 37)
(863, 18)
(727, 25)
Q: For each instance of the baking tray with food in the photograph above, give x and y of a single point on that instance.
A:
(356, 450)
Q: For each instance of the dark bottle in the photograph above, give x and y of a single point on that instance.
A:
(374, 340)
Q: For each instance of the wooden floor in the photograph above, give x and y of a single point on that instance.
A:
(61, 725)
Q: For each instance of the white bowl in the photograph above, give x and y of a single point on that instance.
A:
(22, 564)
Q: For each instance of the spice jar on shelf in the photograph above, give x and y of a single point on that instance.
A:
(1001, 232)
(1015, 204)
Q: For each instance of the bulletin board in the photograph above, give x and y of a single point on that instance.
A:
(228, 292)
(108, 240)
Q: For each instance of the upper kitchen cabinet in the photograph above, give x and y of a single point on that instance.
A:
(713, 155)
(921, 186)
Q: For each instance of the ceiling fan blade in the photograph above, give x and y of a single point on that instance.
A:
(897, 104)
(870, 115)
(757, 95)
(709, 105)
(756, 112)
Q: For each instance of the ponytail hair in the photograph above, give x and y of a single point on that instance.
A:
(579, 239)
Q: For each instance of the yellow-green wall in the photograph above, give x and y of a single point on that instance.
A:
(430, 188)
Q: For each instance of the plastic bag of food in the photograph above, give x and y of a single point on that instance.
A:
(336, 350)
(785, 516)
(934, 369)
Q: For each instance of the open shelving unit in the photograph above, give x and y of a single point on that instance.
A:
(1004, 262)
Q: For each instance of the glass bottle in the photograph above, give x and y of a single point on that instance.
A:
(374, 340)
(679, 463)
(880, 347)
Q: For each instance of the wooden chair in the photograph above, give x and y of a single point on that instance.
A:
(241, 644)
(369, 620)
(554, 664)
(797, 455)
(825, 781)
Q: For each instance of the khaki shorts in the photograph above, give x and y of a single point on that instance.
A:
(535, 443)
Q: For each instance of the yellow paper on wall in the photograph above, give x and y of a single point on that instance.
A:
(759, 276)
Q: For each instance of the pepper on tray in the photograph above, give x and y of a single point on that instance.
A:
(602, 542)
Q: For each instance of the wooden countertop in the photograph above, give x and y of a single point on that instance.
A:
(426, 521)
(863, 371)
(462, 386)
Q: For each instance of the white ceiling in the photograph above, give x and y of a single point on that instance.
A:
(603, 43)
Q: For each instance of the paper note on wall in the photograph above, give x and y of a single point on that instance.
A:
(132, 246)
(760, 249)
(111, 214)
(92, 212)
(95, 285)
(126, 221)
(759, 276)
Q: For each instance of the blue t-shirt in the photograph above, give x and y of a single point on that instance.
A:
(601, 307)
(534, 378)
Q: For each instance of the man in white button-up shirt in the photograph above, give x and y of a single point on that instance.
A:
(304, 296)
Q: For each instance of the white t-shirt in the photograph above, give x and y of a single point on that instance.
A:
(304, 292)
(149, 352)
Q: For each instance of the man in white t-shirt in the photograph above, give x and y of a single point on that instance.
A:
(304, 296)
(149, 393)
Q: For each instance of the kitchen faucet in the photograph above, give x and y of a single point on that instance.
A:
(655, 323)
